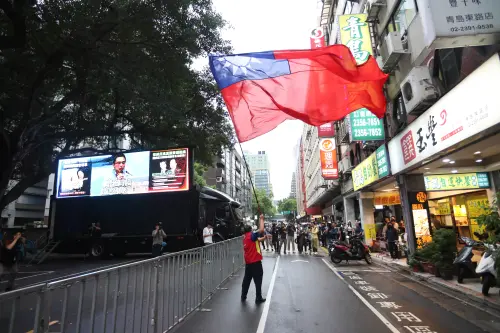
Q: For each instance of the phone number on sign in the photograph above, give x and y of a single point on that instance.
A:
(472, 27)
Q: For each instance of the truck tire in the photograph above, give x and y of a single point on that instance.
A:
(97, 250)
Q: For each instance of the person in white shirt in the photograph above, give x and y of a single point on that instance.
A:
(208, 232)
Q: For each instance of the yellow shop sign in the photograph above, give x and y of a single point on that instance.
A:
(355, 34)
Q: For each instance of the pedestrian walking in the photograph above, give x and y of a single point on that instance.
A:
(268, 239)
(282, 238)
(290, 237)
(301, 240)
(253, 261)
(314, 238)
(275, 234)
(208, 233)
(391, 236)
(8, 259)
(158, 236)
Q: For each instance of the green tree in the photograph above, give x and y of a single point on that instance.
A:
(265, 204)
(199, 171)
(77, 76)
(287, 204)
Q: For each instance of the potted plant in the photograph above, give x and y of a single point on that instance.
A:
(444, 241)
(415, 263)
(428, 254)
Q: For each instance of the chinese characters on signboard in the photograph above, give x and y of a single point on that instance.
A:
(326, 130)
(465, 17)
(365, 126)
(464, 181)
(371, 169)
(328, 157)
(387, 198)
(355, 34)
(317, 38)
(463, 112)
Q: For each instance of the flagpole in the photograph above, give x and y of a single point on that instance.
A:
(251, 181)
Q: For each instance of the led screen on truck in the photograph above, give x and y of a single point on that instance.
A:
(128, 173)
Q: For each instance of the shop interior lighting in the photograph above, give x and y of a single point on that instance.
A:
(452, 162)
(446, 160)
(479, 160)
(477, 152)
(454, 171)
(427, 168)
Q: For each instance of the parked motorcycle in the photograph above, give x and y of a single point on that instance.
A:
(487, 268)
(356, 250)
(463, 262)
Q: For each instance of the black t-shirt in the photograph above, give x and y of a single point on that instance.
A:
(7, 257)
(290, 230)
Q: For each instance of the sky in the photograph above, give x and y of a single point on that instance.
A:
(266, 25)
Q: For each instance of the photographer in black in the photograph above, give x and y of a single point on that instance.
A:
(158, 236)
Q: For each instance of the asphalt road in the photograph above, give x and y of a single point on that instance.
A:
(121, 301)
(305, 294)
(310, 294)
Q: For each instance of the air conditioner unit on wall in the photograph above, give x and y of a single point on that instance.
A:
(418, 90)
(373, 8)
(346, 164)
(391, 51)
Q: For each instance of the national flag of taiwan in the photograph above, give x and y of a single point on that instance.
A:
(263, 89)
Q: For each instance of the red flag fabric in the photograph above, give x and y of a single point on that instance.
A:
(263, 89)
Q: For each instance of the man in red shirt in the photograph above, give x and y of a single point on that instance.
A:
(253, 261)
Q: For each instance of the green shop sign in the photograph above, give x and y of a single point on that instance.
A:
(365, 126)
(373, 168)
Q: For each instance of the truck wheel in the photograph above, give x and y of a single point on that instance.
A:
(97, 250)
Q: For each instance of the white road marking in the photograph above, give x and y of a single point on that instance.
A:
(362, 270)
(368, 305)
(299, 260)
(265, 311)
(28, 277)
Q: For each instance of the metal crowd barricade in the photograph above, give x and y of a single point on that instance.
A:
(152, 295)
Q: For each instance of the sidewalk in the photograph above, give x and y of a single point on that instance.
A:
(470, 290)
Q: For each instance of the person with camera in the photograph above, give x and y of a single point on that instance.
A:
(158, 236)
(8, 259)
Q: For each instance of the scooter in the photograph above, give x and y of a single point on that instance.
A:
(486, 268)
(357, 250)
(463, 261)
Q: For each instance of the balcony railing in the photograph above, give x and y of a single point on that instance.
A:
(343, 131)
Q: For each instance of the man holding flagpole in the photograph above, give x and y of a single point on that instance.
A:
(253, 261)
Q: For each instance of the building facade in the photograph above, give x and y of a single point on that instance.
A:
(260, 170)
(293, 187)
(432, 161)
(230, 175)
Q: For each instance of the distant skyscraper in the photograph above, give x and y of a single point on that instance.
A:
(293, 187)
(259, 167)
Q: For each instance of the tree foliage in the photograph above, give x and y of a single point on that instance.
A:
(288, 204)
(265, 205)
(79, 76)
(199, 171)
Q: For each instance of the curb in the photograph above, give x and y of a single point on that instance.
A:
(460, 294)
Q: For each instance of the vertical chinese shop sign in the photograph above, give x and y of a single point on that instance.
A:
(355, 34)
(328, 157)
(317, 38)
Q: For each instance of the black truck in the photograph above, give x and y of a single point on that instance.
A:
(110, 204)
(126, 222)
